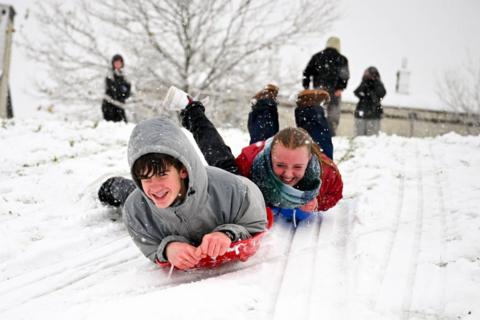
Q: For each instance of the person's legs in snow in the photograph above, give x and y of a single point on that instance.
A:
(263, 119)
(114, 191)
(372, 127)
(310, 115)
(333, 113)
(113, 113)
(207, 137)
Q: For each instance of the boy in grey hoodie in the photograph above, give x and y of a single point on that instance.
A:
(181, 210)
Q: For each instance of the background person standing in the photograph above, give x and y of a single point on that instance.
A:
(117, 90)
(369, 109)
(329, 70)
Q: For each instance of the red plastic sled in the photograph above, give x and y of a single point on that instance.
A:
(239, 250)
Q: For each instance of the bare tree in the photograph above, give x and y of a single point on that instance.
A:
(197, 45)
(460, 89)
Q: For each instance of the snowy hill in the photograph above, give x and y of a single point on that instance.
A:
(402, 244)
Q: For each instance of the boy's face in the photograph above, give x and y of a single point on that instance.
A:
(164, 189)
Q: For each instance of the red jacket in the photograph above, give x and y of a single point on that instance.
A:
(330, 189)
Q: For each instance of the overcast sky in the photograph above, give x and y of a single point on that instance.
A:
(434, 35)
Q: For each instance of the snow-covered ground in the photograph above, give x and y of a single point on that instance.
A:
(402, 244)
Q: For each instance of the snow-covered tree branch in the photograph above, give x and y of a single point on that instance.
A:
(197, 45)
(460, 89)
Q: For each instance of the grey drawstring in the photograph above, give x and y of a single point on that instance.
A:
(170, 271)
(294, 218)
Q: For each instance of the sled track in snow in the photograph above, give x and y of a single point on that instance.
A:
(279, 285)
(8, 219)
(443, 220)
(348, 153)
(395, 225)
(289, 280)
(407, 299)
(35, 284)
(318, 248)
(426, 277)
(62, 265)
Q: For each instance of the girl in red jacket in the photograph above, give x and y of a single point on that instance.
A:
(289, 167)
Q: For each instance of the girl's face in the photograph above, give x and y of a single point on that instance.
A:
(117, 64)
(289, 165)
(164, 189)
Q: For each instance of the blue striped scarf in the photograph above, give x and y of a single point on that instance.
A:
(279, 194)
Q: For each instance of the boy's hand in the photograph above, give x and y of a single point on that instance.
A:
(182, 255)
(214, 244)
(310, 206)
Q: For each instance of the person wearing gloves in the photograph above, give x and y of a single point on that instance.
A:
(182, 211)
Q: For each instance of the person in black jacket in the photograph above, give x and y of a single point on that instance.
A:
(117, 90)
(329, 70)
(369, 110)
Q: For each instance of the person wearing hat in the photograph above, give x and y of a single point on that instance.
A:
(117, 90)
(329, 71)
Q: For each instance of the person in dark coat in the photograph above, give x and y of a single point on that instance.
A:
(329, 71)
(117, 90)
(369, 109)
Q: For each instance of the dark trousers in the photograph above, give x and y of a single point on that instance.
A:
(114, 191)
(263, 124)
(113, 113)
(313, 120)
(333, 113)
(214, 149)
(263, 120)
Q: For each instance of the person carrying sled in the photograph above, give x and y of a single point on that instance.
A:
(117, 91)
(182, 211)
(329, 70)
(288, 166)
(369, 111)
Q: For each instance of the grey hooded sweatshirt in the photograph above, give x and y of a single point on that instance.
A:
(216, 200)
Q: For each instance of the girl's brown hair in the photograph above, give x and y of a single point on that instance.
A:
(293, 138)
